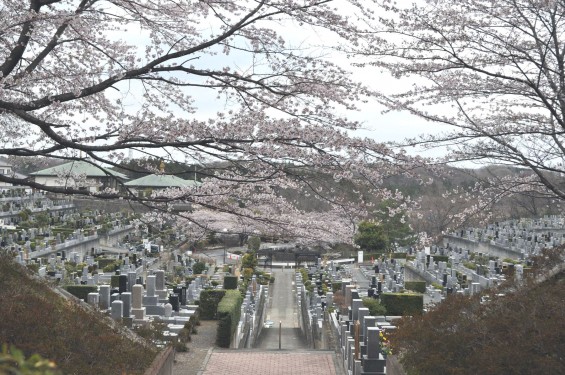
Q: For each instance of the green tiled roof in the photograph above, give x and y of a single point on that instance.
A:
(163, 180)
(80, 167)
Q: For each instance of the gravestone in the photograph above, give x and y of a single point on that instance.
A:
(371, 362)
(114, 297)
(93, 299)
(168, 310)
(151, 285)
(123, 283)
(117, 310)
(159, 280)
(362, 314)
(104, 292)
(132, 277)
(174, 301)
(355, 306)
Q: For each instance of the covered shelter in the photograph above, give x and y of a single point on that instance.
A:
(80, 174)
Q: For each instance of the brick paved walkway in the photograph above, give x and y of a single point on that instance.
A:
(270, 363)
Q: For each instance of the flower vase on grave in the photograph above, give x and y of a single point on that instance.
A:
(385, 345)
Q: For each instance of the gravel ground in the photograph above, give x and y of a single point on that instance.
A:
(193, 361)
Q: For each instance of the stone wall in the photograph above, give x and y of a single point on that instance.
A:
(412, 274)
(163, 363)
(482, 247)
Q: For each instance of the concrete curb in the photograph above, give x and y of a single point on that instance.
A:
(205, 363)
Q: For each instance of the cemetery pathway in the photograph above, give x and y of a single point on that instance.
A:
(282, 309)
(294, 359)
(194, 361)
(359, 278)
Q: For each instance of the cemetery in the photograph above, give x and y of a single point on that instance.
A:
(153, 293)
(469, 262)
(108, 262)
(139, 138)
(134, 289)
(330, 300)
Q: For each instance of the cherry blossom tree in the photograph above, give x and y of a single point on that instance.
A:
(231, 86)
(492, 73)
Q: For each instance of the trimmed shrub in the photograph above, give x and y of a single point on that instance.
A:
(229, 311)
(209, 300)
(439, 258)
(374, 306)
(111, 267)
(403, 303)
(34, 267)
(416, 286)
(437, 286)
(198, 268)
(230, 282)
(81, 291)
(103, 262)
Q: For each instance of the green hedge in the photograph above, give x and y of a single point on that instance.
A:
(230, 282)
(398, 255)
(440, 258)
(209, 300)
(103, 262)
(81, 291)
(374, 306)
(416, 286)
(403, 303)
(229, 311)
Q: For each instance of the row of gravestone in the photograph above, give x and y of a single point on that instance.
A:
(7, 237)
(471, 281)
(359, 335)
(253, 304)
(122, 300)
(366, 355)
(131, 303)
(524, 235)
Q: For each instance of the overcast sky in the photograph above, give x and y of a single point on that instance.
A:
(390, 127)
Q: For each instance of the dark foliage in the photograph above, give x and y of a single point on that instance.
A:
(403, 303)
(198, 268)
(229, 311)
(81, 291)
(230, 282)
(209, 300)
(416, 286)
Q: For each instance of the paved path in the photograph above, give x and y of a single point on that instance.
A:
(193, 361)
(293, 359)
(360, 279)
(283, 310)
(270, 362)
